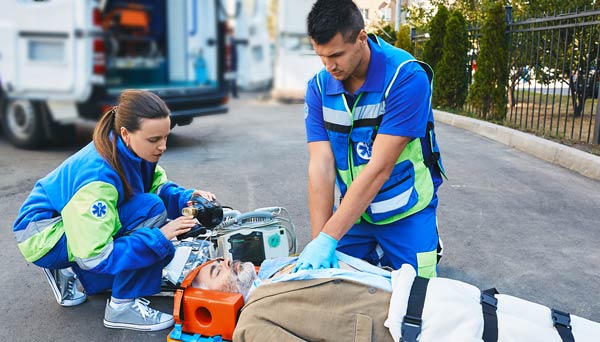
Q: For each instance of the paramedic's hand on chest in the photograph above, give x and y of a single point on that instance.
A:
(319, 253)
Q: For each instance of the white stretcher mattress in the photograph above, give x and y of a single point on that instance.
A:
(452, 312)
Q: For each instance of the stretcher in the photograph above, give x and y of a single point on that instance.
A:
(441, 309)
(420, 310)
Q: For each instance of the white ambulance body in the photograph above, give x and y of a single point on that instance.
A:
(62, 61)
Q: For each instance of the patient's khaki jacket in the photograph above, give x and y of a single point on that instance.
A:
(314, 310)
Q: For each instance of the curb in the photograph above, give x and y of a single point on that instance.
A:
(573, 159)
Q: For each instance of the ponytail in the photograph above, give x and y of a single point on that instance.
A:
(107, 148)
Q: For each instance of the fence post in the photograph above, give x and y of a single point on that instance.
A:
(508, 12)
(596, 138)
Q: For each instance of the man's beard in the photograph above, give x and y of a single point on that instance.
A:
(241, 281)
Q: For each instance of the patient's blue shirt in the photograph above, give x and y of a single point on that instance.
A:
(362, 272)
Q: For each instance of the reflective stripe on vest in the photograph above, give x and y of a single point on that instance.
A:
(352, 131)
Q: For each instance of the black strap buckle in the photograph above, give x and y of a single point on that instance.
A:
(411, 328)
(561, 318)
(488, 299)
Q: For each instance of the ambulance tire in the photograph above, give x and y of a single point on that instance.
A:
(23, 124)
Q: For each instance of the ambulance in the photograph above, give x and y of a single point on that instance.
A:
(66, 61)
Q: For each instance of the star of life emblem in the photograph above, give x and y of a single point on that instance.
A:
(363, 149)
(99, 209)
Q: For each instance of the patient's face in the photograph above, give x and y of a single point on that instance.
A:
(226, 276)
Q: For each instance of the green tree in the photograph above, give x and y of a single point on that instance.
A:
(452, 78)
(471, 9)
(488, 92)
(418, 15)
(539, 8)
(434, 47)
(403, 39)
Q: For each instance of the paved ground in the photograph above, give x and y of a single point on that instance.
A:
(509, 220)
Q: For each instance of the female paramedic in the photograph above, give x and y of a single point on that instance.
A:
(108, 213)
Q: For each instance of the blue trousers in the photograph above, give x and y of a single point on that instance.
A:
(411, 240)
(128, 284)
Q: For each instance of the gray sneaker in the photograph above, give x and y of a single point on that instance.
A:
(136, 316)
(64, 285)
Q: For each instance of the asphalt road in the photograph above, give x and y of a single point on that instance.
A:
(508, 220)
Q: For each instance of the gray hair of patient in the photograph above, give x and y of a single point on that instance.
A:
(239, 283)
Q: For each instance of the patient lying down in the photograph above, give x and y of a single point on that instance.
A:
(239, 277)
(359, 301)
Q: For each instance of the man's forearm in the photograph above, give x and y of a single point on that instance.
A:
(321, 186)
(386, 150)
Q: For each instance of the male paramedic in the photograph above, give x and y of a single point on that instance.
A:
(369, 127)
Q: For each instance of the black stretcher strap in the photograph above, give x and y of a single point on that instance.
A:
(489, 304)
(562, 323)
(411, 324)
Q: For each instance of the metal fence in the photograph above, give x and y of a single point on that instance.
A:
(554, 79)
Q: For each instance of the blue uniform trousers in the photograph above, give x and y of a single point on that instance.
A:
(133, 214)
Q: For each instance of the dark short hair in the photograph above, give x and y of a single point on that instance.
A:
(328, 17)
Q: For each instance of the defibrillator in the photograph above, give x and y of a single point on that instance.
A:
(264, 233)
(254, 236)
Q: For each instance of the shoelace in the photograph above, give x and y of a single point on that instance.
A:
(69, 291)
(70, 288)
(141, 305)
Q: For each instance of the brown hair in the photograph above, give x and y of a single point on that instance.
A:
(133, 106)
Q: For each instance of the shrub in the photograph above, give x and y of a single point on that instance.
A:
(488, 92)
(451, 78)
(403, 39)
(434, 47)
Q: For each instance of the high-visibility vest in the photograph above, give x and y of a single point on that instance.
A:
(352, 131)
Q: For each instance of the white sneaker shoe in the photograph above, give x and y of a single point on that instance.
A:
(136, 316)
(64, 285)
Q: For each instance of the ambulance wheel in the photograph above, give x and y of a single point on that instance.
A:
(23, 124)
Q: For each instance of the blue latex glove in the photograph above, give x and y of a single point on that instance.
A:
(319, 253)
